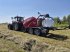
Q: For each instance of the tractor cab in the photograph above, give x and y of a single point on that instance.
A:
(17, 23)
(17, 19)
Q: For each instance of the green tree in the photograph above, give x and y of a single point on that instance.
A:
(57, 20)
(64, 20)
(68, 19)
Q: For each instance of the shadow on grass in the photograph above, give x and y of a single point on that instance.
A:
(56, 36)
(62, 29)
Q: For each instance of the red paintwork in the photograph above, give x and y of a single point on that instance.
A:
(30, 22)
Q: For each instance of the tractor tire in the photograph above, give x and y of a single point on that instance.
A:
(16, 27)
(37, 32)
(30, 31)
(10, 26)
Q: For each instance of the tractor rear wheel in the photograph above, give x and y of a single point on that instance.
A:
(37, 32)
(16, 27)
(10, 26)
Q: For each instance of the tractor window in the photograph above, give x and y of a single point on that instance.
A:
(14, 19)
(20, 19)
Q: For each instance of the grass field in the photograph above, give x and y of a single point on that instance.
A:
(57, 38)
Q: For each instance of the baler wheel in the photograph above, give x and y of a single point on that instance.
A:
(47, 31)
(37, 32)
(30, 30)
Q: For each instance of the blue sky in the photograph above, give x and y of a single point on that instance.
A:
(27, 8)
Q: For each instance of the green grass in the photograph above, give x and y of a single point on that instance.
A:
(60, 25)
(8, 46)
(26, 36)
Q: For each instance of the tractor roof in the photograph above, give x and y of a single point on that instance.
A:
(18, 17)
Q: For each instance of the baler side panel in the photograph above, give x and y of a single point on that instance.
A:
(30, 22)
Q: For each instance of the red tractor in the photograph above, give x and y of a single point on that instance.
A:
(32, 25)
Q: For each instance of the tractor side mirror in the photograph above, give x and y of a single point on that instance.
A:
(11, 17)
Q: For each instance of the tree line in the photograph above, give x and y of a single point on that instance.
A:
(64, 20)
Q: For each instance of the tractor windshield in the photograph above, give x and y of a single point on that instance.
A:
(18, 19)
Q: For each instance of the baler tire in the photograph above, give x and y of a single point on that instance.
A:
(47, 31)
(37, 32)
(44, 34)
(30, 31)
